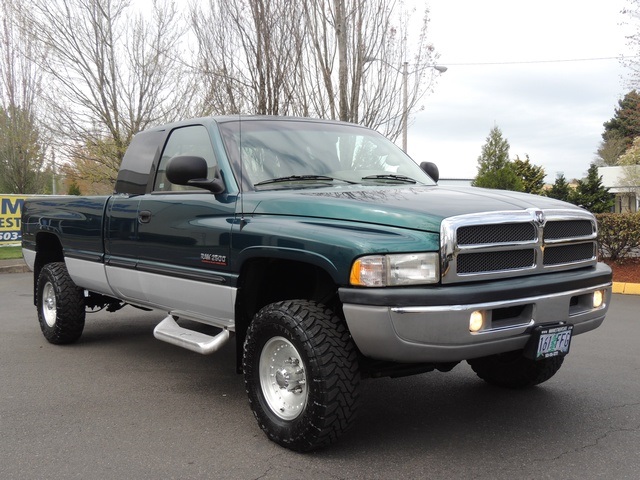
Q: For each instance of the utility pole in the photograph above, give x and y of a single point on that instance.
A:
(405, 92)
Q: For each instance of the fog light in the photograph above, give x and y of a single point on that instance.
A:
(598, 298)
(476, 321)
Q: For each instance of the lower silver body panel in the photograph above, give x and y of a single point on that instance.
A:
(199, 301)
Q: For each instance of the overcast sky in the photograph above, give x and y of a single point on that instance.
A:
(552, 111)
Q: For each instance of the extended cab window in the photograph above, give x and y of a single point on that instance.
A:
(192, 140)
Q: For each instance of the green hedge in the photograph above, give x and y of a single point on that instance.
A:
(618, 235)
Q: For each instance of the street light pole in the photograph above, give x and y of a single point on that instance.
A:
(405, 100)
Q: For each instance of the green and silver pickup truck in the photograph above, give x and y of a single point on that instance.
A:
(327, 255)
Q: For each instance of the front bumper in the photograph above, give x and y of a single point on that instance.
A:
(431, 324)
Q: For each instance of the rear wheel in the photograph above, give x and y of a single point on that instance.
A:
(301, 374)
(513, 370)
(60, 304)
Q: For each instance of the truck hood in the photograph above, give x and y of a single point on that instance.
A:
(414, 207)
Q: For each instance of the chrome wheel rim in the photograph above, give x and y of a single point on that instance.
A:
(283, 378)
(49, 310)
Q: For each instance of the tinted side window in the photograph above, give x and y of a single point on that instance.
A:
(192, 140)
(133, 176)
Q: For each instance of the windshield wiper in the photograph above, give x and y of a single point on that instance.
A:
(297, 178)
(390, 176)
(294, 178)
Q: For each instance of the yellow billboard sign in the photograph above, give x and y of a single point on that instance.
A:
(10, 213)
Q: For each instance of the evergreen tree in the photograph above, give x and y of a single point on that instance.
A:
(532, 176)
(495, 170)
(620, 131)
(74, 189)
(591, 194)
(625, 124)
(560, 189)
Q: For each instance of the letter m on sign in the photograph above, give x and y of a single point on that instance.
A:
(11, 206)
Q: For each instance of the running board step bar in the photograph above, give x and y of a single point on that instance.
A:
(169, 331)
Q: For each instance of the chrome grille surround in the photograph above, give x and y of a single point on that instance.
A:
(505, 244)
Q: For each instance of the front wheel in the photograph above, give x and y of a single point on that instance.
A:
(60, 303)
(301, 374)
(513, 370)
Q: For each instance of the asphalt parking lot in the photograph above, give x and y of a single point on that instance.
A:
(120, 404)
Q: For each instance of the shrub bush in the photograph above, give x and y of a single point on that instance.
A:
(618, 235)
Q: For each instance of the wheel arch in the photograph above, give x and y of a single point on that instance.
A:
(48, 249)
(264, 280)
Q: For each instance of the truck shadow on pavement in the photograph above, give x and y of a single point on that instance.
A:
(433, 412)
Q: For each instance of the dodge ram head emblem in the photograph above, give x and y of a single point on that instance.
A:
(538, 216)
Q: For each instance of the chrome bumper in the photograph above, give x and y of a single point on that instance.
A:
(440, 333)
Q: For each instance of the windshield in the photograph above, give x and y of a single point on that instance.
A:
(286, 153)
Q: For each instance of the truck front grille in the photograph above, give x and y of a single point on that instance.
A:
(483, 234)
(561, 254)
(555, 230)
(492, 261)
(507, 244)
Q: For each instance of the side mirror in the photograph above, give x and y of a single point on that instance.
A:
(431, 169)
(192, 171)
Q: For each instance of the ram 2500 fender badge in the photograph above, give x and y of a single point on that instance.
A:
(213, 259)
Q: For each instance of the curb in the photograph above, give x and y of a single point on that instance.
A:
(14, 269)
(626, 288)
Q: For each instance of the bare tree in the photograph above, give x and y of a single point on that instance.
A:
(21, 142)
(248, 51)
(631, 11)
(400, 45)
(609, 151)
(370, 40)
(337, 59)
(113, 72)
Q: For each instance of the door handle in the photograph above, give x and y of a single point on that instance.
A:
(144, 216)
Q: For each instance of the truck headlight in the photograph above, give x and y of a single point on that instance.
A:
(395, 270)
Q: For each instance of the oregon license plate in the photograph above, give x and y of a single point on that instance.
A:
(549, 341)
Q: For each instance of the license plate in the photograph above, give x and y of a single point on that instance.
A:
(549, 341)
